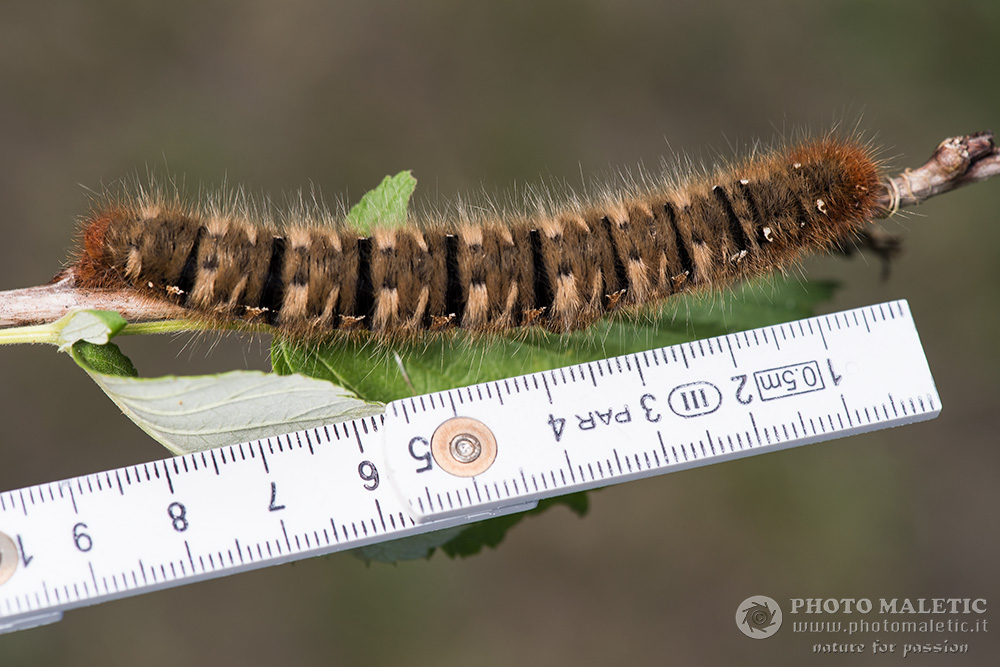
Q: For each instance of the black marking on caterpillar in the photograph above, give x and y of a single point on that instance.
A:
(560, 270)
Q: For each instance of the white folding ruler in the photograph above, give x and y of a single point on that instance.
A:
(455, 457)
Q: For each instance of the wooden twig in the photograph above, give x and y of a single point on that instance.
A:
(47, 303)
(957, 161)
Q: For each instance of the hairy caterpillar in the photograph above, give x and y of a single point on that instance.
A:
(559, 270)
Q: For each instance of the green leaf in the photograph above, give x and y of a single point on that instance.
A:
(189, 414)
(378, 372)
(409, 548)
(461, 541)
(103, 359)
(386, 205)
(491, 532)
(92, 326)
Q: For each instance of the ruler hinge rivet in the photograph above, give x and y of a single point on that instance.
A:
(463, 446)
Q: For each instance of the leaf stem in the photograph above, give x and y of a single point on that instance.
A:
(39, 333)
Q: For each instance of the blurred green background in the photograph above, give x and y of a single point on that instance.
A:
(480, 97)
